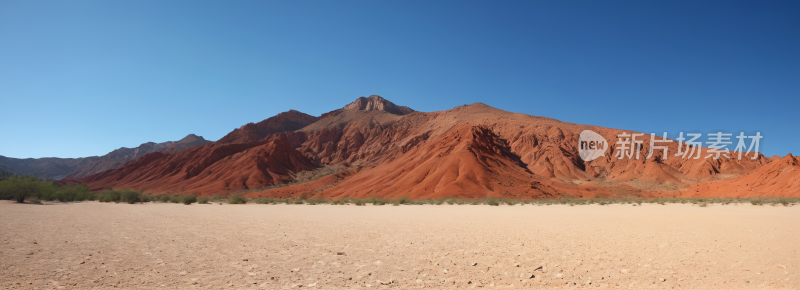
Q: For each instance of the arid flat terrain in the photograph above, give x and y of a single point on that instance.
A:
(253, 246)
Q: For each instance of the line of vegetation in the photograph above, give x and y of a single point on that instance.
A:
(32, 189)
(495, 201)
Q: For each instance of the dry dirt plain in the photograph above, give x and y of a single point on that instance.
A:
(253, 246)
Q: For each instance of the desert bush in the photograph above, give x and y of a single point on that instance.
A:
(78, 192)
(298, 201)
(203, 200)
(20, 188)
(144, 198)
(163, 198)
(359, 202)
(237, 199)
(130, 196)
(756, 201)
(175, 198)
(261, 200)
(404, 200)
(109, 195)
(188, 199)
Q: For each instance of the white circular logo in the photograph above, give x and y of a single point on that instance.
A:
(591, 145)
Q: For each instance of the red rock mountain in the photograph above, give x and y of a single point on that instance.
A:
(471, 151)
(58, 168)
(286, 121)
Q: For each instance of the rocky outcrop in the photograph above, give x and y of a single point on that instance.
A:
(376, 103)
(286, 121)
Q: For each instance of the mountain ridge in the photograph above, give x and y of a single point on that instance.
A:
(58, 168)
(469, 151)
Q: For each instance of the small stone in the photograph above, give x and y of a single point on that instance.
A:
(244, 260)
(445, 271)
(781, 266)
(340, 254)
(474, 264)
(662, 279)
(539, 268)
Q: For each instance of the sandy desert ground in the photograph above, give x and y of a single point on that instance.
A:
(253, 246)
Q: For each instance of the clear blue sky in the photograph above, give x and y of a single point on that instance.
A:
(81, 78)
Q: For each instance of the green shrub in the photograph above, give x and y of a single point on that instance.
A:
(298, 201)
(237, 199)
(20, 188)
(72, 193)
(130, 196)
(203, 200)
(163, 198)
(188, 199)
(109, 195)
(404, 200)
(359, 202)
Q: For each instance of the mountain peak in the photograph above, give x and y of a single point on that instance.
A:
(377, 103)
(192, 137)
